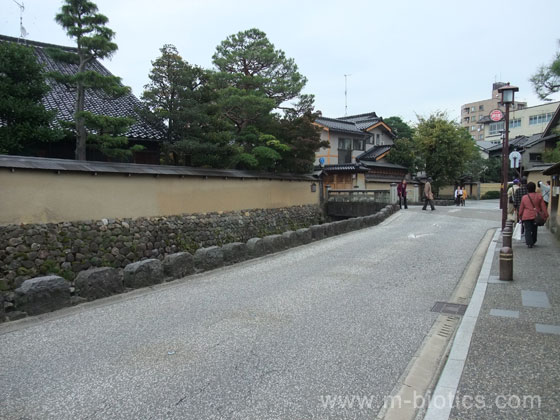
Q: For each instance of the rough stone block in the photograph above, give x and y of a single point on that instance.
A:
(255, 247)
(43, 294)
(342, 226)
(178, 265)
(290, 239)
(318, 232)
(304, 236)
(99, 282)
(208, 258)
(2, 311)
(273, 243)
(330, 229)
(355, 223)
(234, 252)
(143, 273)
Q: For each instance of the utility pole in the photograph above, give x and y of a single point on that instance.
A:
(346, 94)
(23, 32)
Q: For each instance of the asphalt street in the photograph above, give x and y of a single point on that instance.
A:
(301, 334)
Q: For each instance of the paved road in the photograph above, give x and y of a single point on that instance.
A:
(273, 338)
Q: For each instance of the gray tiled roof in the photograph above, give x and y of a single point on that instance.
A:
(373, 153)
(521, 142)
(338, 125)
(67, 165)
(345, 167)
(383, 164)
(62, 99)
(362, 121)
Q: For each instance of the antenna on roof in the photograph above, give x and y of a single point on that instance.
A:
(22, 32)
(346, 95)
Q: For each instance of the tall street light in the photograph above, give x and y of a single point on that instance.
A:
(508, 93)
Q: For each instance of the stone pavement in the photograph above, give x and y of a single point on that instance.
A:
(505, 360)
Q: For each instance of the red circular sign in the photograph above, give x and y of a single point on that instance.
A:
(496, 115)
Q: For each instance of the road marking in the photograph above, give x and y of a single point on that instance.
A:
(413, 236)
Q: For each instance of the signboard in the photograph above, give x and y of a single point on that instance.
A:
(496, 115)
(514, 159)
(322, 161)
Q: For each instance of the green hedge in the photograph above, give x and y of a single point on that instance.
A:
(489, 195)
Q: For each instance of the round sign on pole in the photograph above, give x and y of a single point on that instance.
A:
(496, 115)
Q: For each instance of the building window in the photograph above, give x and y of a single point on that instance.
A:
(473, 108)
(535, 157)
(481, 107)
(467, 119)
(359, 144)
(467, 109)
(344, 144)
(473, 127)
(496, 127)
(481, 136)
(515, 123)
(540, 119)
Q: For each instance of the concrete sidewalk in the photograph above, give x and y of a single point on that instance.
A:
(505, 360)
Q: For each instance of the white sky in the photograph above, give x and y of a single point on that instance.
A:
(404, 57)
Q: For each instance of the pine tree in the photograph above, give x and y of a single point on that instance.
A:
(93, 41)
(178, 99)
(24, 121)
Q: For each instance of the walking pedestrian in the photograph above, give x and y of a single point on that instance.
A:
(428, 195)
(521, 191)
(401, 191)
(531, 203)
(512, 213)
(458, 195)
(464, 197)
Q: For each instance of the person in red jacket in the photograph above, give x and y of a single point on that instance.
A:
(530, 204)
(401, 191)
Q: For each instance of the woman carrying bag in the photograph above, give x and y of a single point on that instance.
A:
(533, 213)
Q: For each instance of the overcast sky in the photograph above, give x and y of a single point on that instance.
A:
(403, 57)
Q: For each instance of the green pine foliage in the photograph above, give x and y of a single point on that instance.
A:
(83, 23)
(546, 81)
(254, 82)
(181, 101)
(238, 115)
(24, 121)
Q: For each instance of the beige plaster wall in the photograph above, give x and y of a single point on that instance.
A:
(537, 176)
(372, 185)
(28, 196)
(489, 186)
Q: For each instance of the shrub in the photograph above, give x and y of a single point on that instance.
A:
(489, 195)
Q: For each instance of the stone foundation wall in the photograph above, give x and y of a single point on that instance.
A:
(65, 249)
(51, 292)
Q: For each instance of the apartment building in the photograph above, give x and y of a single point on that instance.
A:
(522, 122)
(474, 114)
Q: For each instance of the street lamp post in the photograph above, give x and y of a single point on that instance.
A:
(508, 94)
